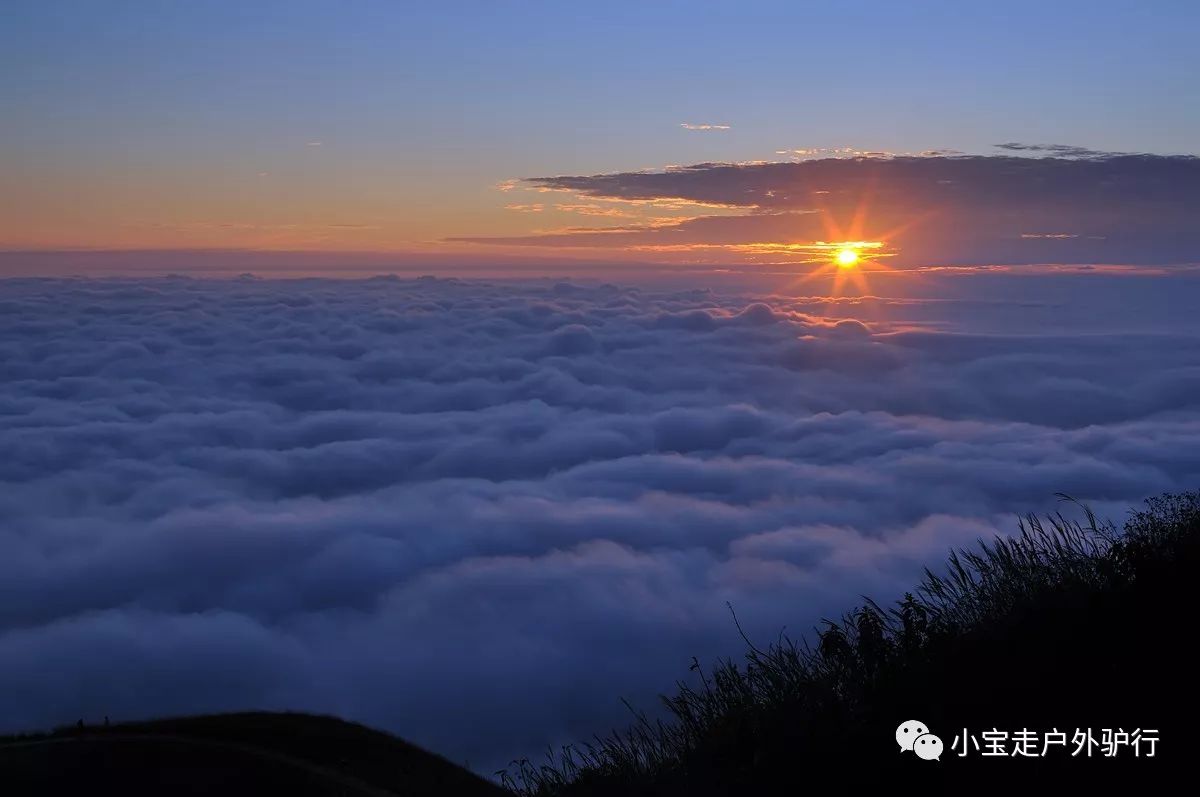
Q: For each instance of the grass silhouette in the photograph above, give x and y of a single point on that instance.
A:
(1067, 625)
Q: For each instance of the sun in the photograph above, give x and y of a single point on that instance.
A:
(847, 258)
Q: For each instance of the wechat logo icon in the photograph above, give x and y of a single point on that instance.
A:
(914, 736)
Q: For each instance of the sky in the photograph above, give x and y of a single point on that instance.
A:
(450, 366)
(398, 127)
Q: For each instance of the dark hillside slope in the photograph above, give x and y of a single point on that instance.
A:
(230, 755)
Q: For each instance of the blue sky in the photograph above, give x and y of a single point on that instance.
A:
(126, 116)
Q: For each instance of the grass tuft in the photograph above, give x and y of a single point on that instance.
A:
(1068, 621)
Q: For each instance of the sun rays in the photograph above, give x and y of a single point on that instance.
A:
(850, 253)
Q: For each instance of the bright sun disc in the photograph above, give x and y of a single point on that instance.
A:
(847, 257)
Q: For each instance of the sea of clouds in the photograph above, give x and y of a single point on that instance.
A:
(477, 513)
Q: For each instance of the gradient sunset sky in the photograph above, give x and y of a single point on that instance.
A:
(416, 127)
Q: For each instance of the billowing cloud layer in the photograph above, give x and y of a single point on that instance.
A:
(477, 513)
(1077, 207)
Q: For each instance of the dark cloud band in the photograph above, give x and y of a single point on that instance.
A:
(967, 210)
